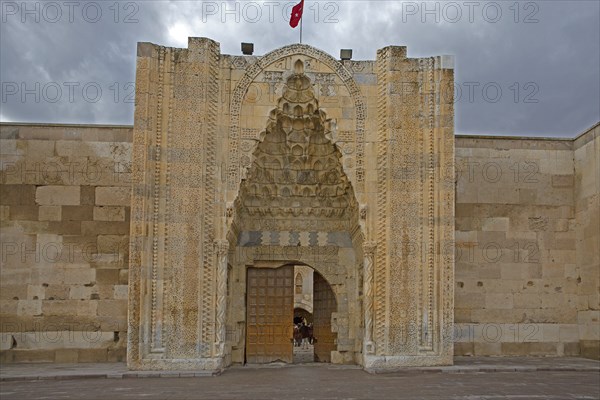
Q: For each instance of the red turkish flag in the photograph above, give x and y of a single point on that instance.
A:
(296, 14)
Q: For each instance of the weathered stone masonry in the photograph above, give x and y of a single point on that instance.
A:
(527, 233)
(483, 301)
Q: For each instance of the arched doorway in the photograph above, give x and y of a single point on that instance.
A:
(296, 206)
(270, 317)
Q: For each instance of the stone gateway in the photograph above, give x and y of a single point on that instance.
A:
(245, 166)
(254, 192)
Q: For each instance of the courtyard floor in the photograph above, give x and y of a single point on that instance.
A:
(471, 378)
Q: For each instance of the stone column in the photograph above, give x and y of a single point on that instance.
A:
(222, 250)
(369, 259)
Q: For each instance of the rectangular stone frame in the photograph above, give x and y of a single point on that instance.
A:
(173, 256)
(414, 259)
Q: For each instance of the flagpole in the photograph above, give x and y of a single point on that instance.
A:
(301, 18)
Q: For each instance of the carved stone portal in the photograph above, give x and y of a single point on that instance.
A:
(291, 158)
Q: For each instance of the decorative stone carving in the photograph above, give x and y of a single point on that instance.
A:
(538, 223)
(215, 172)
(222, 248)
(296, 170)
(363, 212)
(369, 254)
(278, 59)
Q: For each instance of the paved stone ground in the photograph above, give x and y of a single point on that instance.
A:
(470, 379)
(303, 356)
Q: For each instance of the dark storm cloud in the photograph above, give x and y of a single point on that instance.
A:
(527, 68)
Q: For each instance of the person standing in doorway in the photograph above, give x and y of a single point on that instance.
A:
(305, 335)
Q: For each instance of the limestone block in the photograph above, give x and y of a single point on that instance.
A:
(29, 307)
(50, 213)
(553, 300)
(77, 213)
(113, 196)
(117, 355)
(88, 195)
(13, 291)
(18, 195)
(57, 292)
(108, 213)
(57, 195)
(571, 349)
(86, 308)
(23, 213)
(113, 244)
(48, 275)
(589, 325)
(35, 292)
(568, 333)
(487, 349)
(92, 228)
(527, 300)
(12, 147)
(7, 341)
(103, 292)
(80, 292)
(4, 213)
(468, 300)
(462, 315)
(495, 224)
(120, 292)
(513, 271)
(107, 276)
(24, 356)
(59, 307)
(66, 356)
(550, 332)
(93, 355)
(8, 307)
(515, 349)
(123, 276)
(553, 270)
(562, 181)
(39, 149)
(79, 275)
(542, 349)
(590, 349)
(112, 307)
(110, 260)
(556, 166)
(464, 349)
(67, 339)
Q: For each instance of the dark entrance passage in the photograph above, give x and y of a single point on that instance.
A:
(300, 314)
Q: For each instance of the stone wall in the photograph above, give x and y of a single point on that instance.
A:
(587, 239)
(65, 226)
(527, 232)
(527, 246)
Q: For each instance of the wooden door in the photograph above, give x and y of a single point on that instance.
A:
(324, 304)
(269, 314)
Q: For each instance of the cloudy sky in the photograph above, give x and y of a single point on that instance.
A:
(522, 68)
